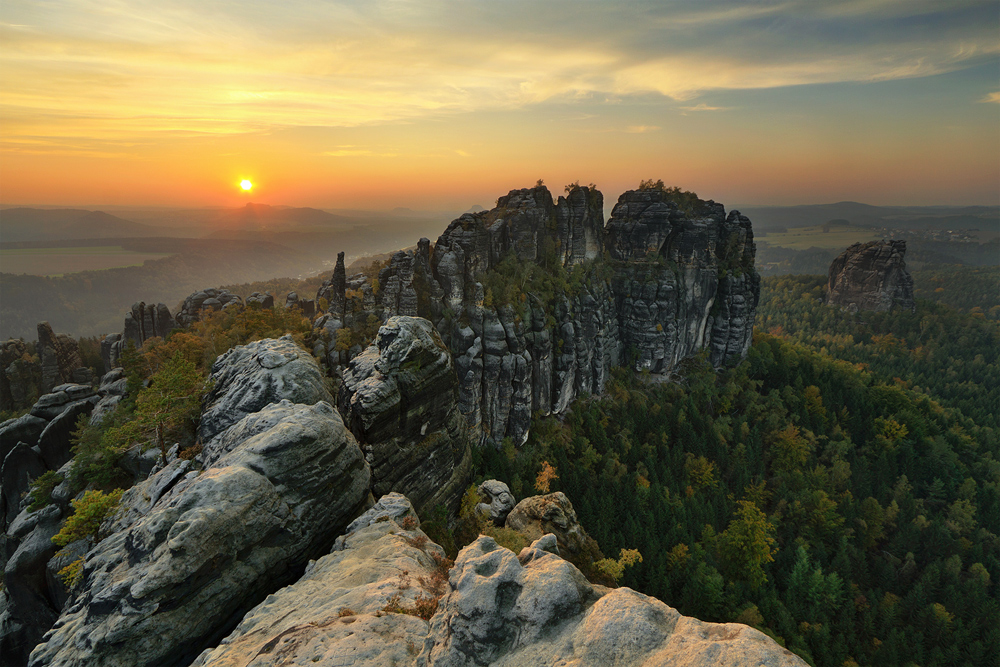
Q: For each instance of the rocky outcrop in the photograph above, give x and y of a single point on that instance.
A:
(334, 614)
(249, 377)
(59, 356)
(334, 290)
(365, 604)
(265, 301)
(208, 299)
(20, 375)
(871, 276)
(536, 608)
(497, 501)
(697, 287)
(400, 399)
(190, 552)
(677, 281)
(553, 514)
(306, 306)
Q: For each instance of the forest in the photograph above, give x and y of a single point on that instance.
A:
(839, 489)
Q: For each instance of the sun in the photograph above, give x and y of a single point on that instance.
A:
(246, 185)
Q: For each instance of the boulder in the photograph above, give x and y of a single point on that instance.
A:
(265, 300)
(497, 501)
(400, 400)
(54, 441)
(213, 545)
(249, 377)
(25, 428)
(871, 276)
(554, 514)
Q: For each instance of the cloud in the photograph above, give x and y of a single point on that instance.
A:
(141, 68)
(993, 98)
(641, 129)
(701, 106)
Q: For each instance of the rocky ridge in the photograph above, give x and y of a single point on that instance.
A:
(658, 283)
(368, 603)
(871, 276)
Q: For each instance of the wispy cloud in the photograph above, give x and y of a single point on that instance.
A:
(701, 106)
(993, 98)
(144, 67)
(641, 129)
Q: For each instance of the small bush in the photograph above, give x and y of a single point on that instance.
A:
(345, 611)
(72, 573)
(409, 523)
(89, 512)
(41, 490)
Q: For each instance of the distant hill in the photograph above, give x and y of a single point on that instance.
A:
(34, 224)
(254, 217)
(900, 217)
(94, 302)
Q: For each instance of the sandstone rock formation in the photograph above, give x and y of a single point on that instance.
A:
(190, 552)
(400, 399)
(59, 356)
(20, 375)
(210, 299)
(498, 608)
(334, 290)
(497, 499)
(249, 377)
(871, 276)
(265, 300)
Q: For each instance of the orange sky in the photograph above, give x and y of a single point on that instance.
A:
(443, 104)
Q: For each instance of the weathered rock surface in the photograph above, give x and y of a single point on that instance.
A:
(677, 282)
(20, 375)
(400, 399)
(498, 608)
(249, 377)
(497, 499)
(213, 544)
(59, 357)
(265, 300)
(537, 609)
(211, 299)
(333, 614)
(553, 514)
(334, 290)
(871, 276)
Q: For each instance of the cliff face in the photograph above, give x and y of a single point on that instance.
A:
(871, 276)
(671, 283)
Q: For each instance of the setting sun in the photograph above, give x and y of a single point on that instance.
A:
(246, 185)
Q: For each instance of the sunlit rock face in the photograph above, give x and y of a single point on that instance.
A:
(871, 276)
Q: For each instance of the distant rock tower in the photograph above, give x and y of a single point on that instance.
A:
(871, 276)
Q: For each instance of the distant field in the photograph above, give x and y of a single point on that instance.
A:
(59, 261)
(802, 238)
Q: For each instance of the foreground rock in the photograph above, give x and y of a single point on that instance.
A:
(553, 514)
(871, 276)
(189, 552)
(361, 605)
(400, 399)
(333, 614)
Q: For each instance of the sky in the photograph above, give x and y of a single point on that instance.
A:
(447, 103)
